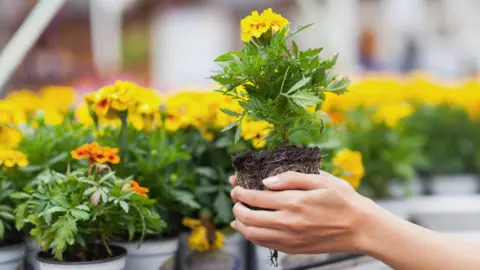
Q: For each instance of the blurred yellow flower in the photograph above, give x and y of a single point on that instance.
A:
(198, 239)
(25, 99)
(82, 115)
(349, 166)
(53, 117)
(110, 99)
(9, 137)
(146, 114)
(10, 158)
(11, 113)
(392, 114)
(256, 131)
(58, 98)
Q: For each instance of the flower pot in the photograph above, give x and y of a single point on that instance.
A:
(213, 260)
(151, 254)
(262, 259)
(116, 262)
(235, 243)
(456, 184)
(32, 250)
(11, 256)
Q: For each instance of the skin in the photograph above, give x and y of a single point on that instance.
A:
(315, 214)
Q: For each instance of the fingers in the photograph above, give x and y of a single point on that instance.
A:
(233, 181)
(258, 198)
(295, 181)
(257, 234)
(256, 218)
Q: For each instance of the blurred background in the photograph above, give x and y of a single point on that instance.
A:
(171, 43)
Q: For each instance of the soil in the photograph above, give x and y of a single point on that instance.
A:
(252, 167)
(94, 252)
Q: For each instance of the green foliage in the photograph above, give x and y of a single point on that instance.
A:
(449, 138)
(389, 155)
(280, 83)
(67, 212)
(7, 219)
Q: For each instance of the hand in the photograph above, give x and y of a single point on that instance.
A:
(312, 214)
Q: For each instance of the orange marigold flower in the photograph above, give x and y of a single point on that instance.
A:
(96, 153)
(135, 187)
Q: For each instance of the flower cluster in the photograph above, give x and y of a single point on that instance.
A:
(10, 158)
(255, 25)
(348, 165)
(199, 237)
(96, 153)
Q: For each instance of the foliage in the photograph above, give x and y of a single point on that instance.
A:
(7, 219)
(279, 83)
(389, 155)
(67, 212)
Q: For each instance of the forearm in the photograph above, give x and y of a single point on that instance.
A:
(404, 245)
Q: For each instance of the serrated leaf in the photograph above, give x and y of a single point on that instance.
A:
(83, 207)
(79, 214)
(20, 213)
(228, 56)
(186, 198)
(55, 209)
(339, 86)
(223, 207)
(206, 172)
(304, 99)
(89, 191)
(299, 85)
(229, 112)
(106, 177)
(124, 206)
(229, 126)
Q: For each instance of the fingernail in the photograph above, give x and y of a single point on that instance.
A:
(271, 181)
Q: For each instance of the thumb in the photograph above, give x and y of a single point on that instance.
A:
(294, 181)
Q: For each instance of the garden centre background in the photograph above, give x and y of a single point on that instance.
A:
(414, 63)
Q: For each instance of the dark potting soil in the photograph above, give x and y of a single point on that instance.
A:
(11, 239)
(94, 253)
(252, 167)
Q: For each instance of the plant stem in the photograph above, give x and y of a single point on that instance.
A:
(123, 139)
(104, 241)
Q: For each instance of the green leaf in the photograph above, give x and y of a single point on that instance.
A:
(20, 196)
(2, 230)
(298, 30)
(295, 48)
(124, 206)
(299, 85)
(7, 216)
(131, 230)
(106, 177)
(20, 213)
(222, 142)
(83, 207)
(32, 168)
(223, 207)
(206, 172)
(206, 189)
(186, 198)
(58, 158)
(89, 191)
(339, 86)
(228, 56)
(79, 214)
(238, 133)
(229, 112)
(55, 209)
(305, 99)
(230, 126)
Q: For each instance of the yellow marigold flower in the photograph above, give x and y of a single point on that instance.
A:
(349, 166)
(25, 99)
(82, 115)
(10, 158)
(11, 113)
(9, 137)
(255, 25)
(147, 112)
(110, 99)
(277, 21)
(392, 114)
(198, 239)
(96, 153)
(256, 131)
(58, 98)
(53, 117)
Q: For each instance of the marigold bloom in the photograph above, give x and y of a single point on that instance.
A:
(10, 158)
(9, 137)
(255, 25)
(57, 98)
(392, 114)
(349, 166)
(111, 99)
(96, 153)
(11, 113)
(135, 187)
(25, 99)
(256, 131)
(198, 239)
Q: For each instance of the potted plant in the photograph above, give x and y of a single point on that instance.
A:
(280, 83)
(74, 215)
(154, 151)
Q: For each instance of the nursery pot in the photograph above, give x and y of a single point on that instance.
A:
(235, 243)
(252, 167)
(285, 261)
(150, 255)
(212, 260)
(32, 249)
(116, 262)
(11, 256)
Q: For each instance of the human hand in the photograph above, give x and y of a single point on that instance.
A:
(312, 214)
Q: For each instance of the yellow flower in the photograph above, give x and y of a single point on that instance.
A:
(53, 117)
(253, 25)
(198, 239)
(391, 114)
(110, 99)
(82, 115)
(277, 21)
(349, 166)
(25, 99)
(147, 112)
(9, 137)
(10, 158)
(58, 98)
(256, 131)
(11, 113)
